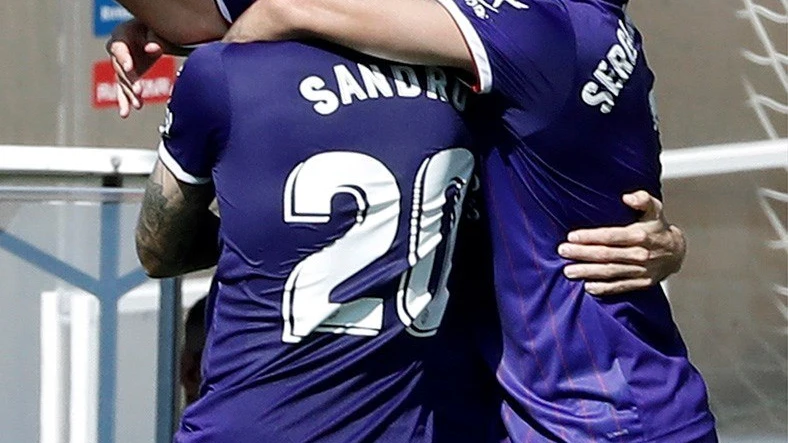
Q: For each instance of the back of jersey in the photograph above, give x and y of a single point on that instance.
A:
(569, 128)
(339, 180)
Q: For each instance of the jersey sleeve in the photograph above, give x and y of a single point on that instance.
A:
(232, 9)
(197, 123)
(522, 49)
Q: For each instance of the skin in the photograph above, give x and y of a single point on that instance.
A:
(622, 259)
(191, 353)
(189, 374)
(611, 260)
(174, 223)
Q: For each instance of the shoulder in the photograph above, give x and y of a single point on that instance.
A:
(511, 14)
(202, 81)
(204, 62)
(200, 99)
(512, 39)
(534, 20)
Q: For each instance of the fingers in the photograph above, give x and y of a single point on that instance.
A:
(618, 236)
(131, 55)
(644, 202)
(154, 49)
(126, 91)
(636, 255)
(129, 89)
(637, 199)
(636, 234)
(622, 259)
(120, 73)
(123, 102)
(122, 54)
(605, 272)
(618, 287)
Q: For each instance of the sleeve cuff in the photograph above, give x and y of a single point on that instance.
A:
(177, 170)
(224, 11)
(481, 61)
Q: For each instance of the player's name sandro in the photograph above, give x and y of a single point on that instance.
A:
(347, 88)
(613, 72)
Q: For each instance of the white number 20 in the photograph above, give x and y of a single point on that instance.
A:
(421, 300)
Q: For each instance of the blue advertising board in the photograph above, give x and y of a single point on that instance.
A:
(106, 15)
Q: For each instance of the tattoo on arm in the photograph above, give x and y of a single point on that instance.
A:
(176, 233)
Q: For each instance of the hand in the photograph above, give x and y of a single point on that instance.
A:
(622, 259)
(133, 49)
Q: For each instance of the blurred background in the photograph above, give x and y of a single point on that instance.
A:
(67, 215)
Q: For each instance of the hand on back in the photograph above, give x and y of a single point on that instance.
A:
(622, 259)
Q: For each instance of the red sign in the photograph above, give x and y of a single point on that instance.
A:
(156, 83)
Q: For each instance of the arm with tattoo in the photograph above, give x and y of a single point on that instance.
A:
(176, 232)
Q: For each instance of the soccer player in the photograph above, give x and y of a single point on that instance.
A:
(567, 125)
(610, 260)
(568, 431)
(339, 180)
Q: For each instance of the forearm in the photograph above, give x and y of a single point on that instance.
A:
(176, 233)
(413, 31)
(182, 257)
(181, 22)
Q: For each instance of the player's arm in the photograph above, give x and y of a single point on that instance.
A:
(176, 232)
(615, 260)
(182, 22)
(414, 31)
(159, 27)
(503, 49)
(133, 48)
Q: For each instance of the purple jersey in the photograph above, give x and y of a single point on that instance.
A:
(568, 128)
(339, 181)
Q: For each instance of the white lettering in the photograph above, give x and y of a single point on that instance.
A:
(151, 88)
(627, 41)
(374, 81)
(436, 84)
(594, 97)
(348, 86)
(480, 7)
(156, 87)
(105, 92)
(608, 78)
(411, 88)
(459, 96)
(377, 85)
(312, 89)
(114, 13)
(620, 63)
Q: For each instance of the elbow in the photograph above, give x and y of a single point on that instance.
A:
(154, 262)
(157, 269)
